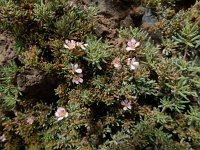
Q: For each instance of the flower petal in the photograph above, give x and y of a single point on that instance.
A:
(132, 67)
(73, 80)
(129, 49)
(67, 41)
(76, 66)
(125, 108)
(60, 118)
(133, 60)
(133, 41)
(66, 114)
(129, 106)
(81, 80)
(136, 64)
(76, 81)
(78, 70)
(129, 43)
(137, 44)
(126, 101)
(80, 75)
(57, 114)
(122, 103)
(118, 66)
(82, 47)
(128, 60)
(65, 46)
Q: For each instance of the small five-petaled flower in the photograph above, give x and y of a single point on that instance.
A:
(69, 44)
(126, 105)
(117, 63)
(132, 44)
(30, 120)
(61, 113)
(78, 79)
(132, 63)
(75, 69)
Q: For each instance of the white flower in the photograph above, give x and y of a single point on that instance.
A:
(132, 44)
(132, 63)
(75, 69)
(30, 120)
(61, 113)
(116, 63)
(2, 138)
(126, 104)
(69, 44)
(78, 79)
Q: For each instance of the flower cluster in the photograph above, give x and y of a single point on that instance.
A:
(131, 62)
(71, 44)
(77, 72)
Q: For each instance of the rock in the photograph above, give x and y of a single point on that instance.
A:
(148, 21)
(136, 14)
(101, 30)
(112, 9)
(7, 52)
(137, 11)
(149, 18)
(127, 22)
(34, 83)
(112, 15)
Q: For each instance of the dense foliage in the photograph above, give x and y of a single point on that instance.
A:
(134, 95)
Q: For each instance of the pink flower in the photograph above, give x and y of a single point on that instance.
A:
(116, 63)
(132, 63)
(75, 69)
(30, 120)
(78, 79)
(126, 104)
(61, 113)
(69, 44)
(2, 138)
(132, 44)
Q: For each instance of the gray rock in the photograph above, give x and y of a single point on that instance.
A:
(148, 17)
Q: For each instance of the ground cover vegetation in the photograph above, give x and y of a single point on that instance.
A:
(95, 93)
